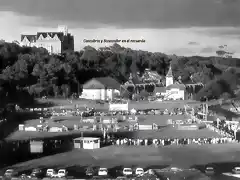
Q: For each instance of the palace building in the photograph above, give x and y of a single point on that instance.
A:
(55, 42)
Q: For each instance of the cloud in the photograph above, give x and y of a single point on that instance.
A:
(12, 25)
(230, 32)
(193, 43)
(208, 50)
(128, 13)
(166, 40)
(227, 1)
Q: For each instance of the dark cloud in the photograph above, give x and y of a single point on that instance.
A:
(224, 32)
(226, 1)
(192, 43)
(129, 13)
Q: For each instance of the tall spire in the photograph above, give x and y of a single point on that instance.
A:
(170, 74)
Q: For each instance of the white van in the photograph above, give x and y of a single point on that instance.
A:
(103, 172)
(127, 171)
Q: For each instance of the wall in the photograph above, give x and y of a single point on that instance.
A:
(103, 94)
(87, 145)
(175, 94)
(182, 94)
(109, 94)
(99, 94)
(169, 81)
(36, 146)
(91, 94)
(26, 42)
(96, 145)
(145, 127)
(118, 107)
(68, 43)
(55, 44)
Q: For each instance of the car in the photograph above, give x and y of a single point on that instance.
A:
(54, 175)
(89, 171)
(24, 176)
(210, 170)
(36, 172)
(10, 173)
(62, 173)
(121, 177)
(236, 170)
(103, 172)
(50, 172)
(127, 171)
(139, 171)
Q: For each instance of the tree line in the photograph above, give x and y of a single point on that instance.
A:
(28, 72)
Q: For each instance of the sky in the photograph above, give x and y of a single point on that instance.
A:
(181, 27)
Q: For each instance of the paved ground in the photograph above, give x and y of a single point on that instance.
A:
(224, 157)
(183, 156)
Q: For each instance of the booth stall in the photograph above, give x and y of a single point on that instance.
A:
(36, 146)
(118, 107)
(86, 143)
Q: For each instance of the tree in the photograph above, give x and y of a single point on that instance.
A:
(35, 70)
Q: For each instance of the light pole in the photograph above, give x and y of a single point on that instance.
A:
(206, 110)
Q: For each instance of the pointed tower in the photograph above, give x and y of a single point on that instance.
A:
(169, 77)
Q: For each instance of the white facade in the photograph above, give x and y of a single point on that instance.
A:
(118, 107)
(99, 94)
(30, 128)
(56, 129)
(169, 81)
(26, 42)
(87, 143)
(53, 45)
(175, 94)
(169, 77)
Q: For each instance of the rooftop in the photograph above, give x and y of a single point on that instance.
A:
(176, 86)
(87, 138)
(105, 81)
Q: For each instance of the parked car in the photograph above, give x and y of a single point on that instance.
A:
(90, 171)
(139, 171)
(103, 172)
(62, 173)
(50, 172)
(100, 102)
(236, 170)
(24, 176)
(36, 172)
(127, 171)
(10, 173)
(121, 177)
(210, 170)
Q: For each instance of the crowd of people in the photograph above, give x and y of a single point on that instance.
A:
(174, 141)
(221, 131)
(221, 128)
(87, 112)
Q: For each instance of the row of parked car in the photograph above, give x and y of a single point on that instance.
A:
(210, 170)
(105, 172)
(64, 173)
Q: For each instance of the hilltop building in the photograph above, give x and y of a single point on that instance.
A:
(172, 90)
(54, 42)
(102, 88)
